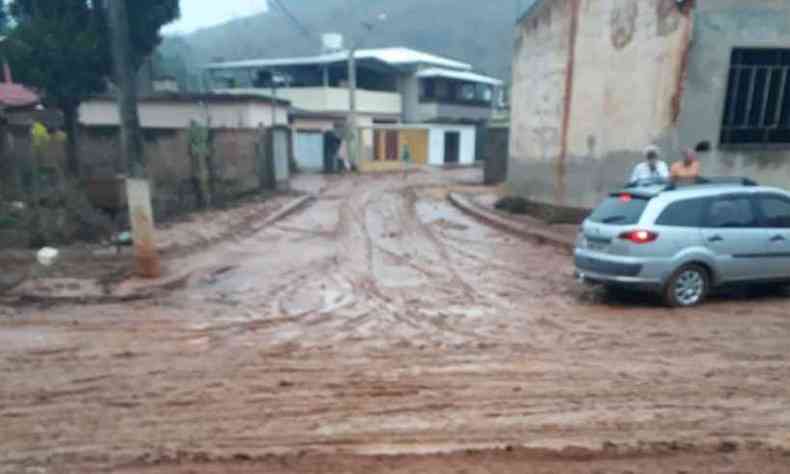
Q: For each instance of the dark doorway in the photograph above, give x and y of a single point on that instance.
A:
(452, 147)
(391, 149)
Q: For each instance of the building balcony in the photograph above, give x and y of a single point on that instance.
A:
(335, 99)
(453, 112)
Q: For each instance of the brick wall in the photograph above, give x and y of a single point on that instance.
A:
(167, 155)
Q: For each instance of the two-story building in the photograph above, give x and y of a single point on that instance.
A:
(396, 88)
(595, 81)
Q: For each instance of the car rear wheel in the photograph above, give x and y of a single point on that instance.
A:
(689, 286)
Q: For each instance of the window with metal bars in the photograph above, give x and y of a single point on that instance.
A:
(757, 108)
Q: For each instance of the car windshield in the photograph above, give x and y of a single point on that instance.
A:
(621, 210)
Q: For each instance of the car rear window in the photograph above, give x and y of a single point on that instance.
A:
(686, 213)
(620, 210)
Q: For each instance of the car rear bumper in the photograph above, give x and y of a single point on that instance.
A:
(593, 267)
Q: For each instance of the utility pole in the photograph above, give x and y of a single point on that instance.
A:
(352, 104)
(125, 80)
(274, 99)
(138, 191)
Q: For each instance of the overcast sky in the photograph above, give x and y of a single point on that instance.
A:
(197, 14)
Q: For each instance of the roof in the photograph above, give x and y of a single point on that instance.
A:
(460, 75)
(225, 96)
(392, 56)
(16, 95)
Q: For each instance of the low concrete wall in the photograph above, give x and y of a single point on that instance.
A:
(170, 166)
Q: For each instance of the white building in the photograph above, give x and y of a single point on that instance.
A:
(177, 111)
(394, 86)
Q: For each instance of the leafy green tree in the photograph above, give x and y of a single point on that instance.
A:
(61, 47)
(3, 20)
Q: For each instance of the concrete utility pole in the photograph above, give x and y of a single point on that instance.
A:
(125, 80)
(138, 192)
(351, 134)
(353, 145)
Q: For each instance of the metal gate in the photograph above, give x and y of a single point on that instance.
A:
(309, 150)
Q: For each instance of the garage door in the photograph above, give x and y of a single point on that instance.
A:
(309, 150)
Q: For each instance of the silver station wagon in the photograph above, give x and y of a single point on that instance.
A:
(683, 241)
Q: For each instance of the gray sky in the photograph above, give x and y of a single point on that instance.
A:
(197, 14)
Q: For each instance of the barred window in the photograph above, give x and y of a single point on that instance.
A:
(757, 108)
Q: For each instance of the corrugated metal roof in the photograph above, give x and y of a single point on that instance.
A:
(460, 75)
(391, 56)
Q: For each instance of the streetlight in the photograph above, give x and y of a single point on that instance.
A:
(353, 146)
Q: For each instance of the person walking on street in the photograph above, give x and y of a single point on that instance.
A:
(688, 170)
(650, 171)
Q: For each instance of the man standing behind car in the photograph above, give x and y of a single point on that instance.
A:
(688, 170)
(651, 171)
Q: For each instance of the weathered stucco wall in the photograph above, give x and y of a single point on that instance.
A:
(720, 26)
(594, 81)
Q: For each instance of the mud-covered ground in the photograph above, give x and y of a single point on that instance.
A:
(378, 328)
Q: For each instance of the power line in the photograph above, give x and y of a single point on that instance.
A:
(298, 24)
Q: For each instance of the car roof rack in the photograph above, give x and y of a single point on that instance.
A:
(705, 181)
(656, 188)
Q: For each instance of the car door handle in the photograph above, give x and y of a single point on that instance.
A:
(715, 238)
(778, 238)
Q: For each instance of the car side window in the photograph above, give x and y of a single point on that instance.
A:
(775, 211)
(735, 211)
(686, 213)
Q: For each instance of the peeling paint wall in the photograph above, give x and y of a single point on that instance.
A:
(575, 136)
(720, 26)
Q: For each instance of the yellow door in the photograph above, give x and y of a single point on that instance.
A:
(417, 142)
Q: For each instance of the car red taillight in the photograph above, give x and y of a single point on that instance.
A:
(639, 236)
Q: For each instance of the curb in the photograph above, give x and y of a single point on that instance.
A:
(286, 211)
(171, 283)
(541, 236)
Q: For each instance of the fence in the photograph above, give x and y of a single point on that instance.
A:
(238, 162)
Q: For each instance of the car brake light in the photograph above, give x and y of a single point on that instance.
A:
(626, 198)
(639, 236)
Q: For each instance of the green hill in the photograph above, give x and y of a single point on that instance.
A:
(474, 31)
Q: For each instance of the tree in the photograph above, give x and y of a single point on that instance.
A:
(59, 49)
(3, 20)
(62, 47)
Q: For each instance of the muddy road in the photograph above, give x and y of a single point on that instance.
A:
(380, 324)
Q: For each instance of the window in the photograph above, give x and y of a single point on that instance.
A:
(485, 93)
(442, 89)
(427, 89)
(468, 92)
(619, 210)
(732, 212)
(757, 107)
(688, 213)
(775, 211)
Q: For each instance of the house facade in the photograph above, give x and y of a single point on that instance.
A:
(595, 81)
(395, 86)
(392, 84)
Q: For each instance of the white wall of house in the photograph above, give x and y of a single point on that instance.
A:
(332, 99)
(467, 145)
(174, 115)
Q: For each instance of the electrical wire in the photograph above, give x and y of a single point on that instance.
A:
(298, 24)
